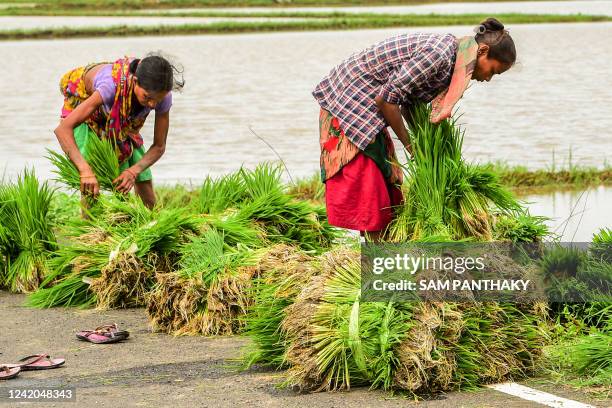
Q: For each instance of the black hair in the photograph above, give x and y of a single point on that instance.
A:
(501, 45)
(156, 74)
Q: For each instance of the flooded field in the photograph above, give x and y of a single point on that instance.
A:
(574, 215)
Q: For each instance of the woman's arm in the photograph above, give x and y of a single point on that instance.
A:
(65, 136)
(127, 179)
(393, 117)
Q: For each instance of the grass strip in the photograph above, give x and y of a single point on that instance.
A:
(343, 23)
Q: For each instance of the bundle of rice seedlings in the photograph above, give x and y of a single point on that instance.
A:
(217, 195)
(308, 189)
(26, 232)
(236, 229)
(520, 228)
(70, 268)
(289, 221)
(336, 341)
(123, 244)
(445, 195)
(284, 270)
(258, 197)
(208, 293)
(102, 160)
(330, 340)
(139, 249)
(178, 196)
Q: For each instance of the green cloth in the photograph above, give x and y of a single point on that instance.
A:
(377, 151)
(82, 135)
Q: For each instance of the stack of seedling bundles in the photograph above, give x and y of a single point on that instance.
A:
(109, 260)
(329, 339)
(26, 232)
(192, 259)
(245, 215)
(445, 196)
(311, 319)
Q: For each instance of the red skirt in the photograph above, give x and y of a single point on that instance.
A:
(359, 198)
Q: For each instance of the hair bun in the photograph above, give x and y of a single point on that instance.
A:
(492, 24)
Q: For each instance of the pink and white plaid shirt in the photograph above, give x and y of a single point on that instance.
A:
(401, 69)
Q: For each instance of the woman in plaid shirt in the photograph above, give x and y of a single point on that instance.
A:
(373, 89)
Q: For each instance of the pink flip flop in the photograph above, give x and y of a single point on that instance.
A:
(103, 335)
(6, 372)
(37, 362)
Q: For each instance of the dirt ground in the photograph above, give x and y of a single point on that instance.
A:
(157, 370)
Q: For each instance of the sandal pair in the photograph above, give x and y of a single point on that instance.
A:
(33, 362)
(105, 334)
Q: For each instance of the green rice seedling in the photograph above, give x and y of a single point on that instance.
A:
(70, 269)
(123, 244)
(102, 160)
(523, 227)
(289, 221)
(331, 340)
(308, 189)
(208, 293)
(584, 360)
(64, 208)
(284, 270)
(601, 247)
(217, 195)
(26, 231)
(593, 354)
(237, 229)
(178, 196)
(444, 195)
(265, 179)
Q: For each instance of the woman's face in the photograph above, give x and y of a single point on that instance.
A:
(147, 98)
(487, 67)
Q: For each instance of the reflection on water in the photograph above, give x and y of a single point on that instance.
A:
(575, 215)
(601, 7)
(553, 100)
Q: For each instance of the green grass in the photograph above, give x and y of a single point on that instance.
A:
(581, 355)
(344, 23)
(83, 5)
(553, 176)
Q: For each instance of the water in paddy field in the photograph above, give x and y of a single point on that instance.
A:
(557, 98)
(574, 215)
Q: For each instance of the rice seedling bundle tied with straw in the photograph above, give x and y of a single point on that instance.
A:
(110, 260)
(26, 233)
(102, 158)
(445, 196)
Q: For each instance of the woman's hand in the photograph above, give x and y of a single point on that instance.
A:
(125, 181)
(89, 184)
